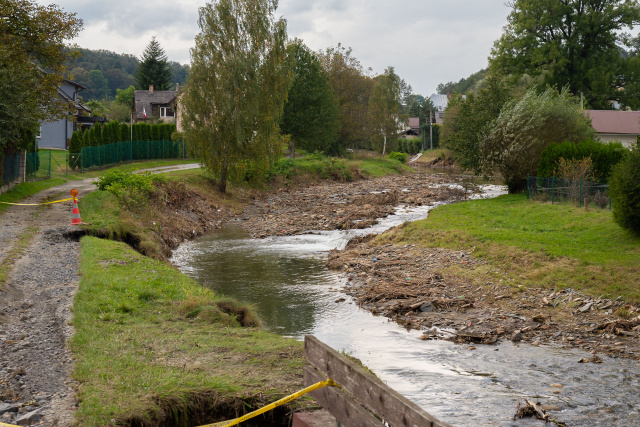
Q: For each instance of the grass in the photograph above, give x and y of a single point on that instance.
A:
(535, 244)
(146, 334)
(381, 166)
(26, 189)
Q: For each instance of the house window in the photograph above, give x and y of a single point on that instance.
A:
(39, 134)
(166, 112)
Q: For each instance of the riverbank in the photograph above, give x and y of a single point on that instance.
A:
(505, 269)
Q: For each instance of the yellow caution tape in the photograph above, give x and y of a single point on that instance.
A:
(7, 425)
(36, 204)
(328, 382)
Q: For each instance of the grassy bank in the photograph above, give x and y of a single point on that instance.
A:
(152, 345)
(534, 244)
(26, 189)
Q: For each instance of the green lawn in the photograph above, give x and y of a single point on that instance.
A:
(537, 244)
(149, 339)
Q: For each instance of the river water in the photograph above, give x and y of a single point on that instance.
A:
(286, 278)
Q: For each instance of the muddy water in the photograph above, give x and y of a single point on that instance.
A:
(296, 295)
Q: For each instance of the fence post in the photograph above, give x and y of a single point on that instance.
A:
(50, 154)
(580, 199)
(553, 182)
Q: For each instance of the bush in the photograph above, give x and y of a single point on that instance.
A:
(624, 190)
(283, 168)
(603, 155)
(121, 183)
(402, 157)
(75, 147)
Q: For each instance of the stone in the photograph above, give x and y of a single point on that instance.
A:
(585, 307)
(29, 418)
(426, 307)
(516, 336)
(8, 407)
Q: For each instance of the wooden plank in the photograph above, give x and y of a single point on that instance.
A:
(376, 396)
(344, 408)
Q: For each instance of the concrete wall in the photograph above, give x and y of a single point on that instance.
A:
(627, 140)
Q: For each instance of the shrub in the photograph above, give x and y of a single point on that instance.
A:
(75, 147)
(121, 183)
(283, 168)
(603, 155)
(624, 190)
(402, 157)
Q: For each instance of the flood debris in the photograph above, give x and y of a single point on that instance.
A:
(532, 409)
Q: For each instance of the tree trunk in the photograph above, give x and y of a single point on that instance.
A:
(222, 184)
(293, 146)
(384, 145)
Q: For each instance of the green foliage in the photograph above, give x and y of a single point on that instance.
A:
(402, 157)
(310, 114)
(125, 132)
(464, 85)
(32, 39)
(123, 183)
(352, 86)
(570, 43)
(624, 190)
(75, 146)
(240, 45)
(410, 146)
(603, 155)
(99, 83)
(126, 96)
(154, 68)
(468, 121)
(525, 128)
(385, 106)
(434, 131)
(283, 168)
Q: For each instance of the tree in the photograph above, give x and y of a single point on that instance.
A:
(153, 69)
(624, 189)
(525, 127)
(310, 114)
(99, 86)
(573, 43)
(33, 54)
(468, 120)
(237, 86)
(352, 86)
(385, 105)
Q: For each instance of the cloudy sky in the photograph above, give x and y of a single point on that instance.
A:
(427, 41)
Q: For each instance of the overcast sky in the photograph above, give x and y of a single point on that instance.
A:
(427, 41)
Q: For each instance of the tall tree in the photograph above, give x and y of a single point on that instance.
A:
(573, 43)
(154, 68)
(385, 106)
(236, 88)
(311, 112)
(352, 87)
(33, 54)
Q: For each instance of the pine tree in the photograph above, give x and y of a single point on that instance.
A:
(154, 68)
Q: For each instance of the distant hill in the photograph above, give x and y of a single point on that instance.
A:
(102, 72)
(463, 85)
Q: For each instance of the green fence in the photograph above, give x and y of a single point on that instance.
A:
(557, 190)
(10, 169)
(126, 151)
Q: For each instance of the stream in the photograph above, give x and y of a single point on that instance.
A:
(286, 278)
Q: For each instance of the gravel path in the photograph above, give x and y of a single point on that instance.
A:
(35, 303)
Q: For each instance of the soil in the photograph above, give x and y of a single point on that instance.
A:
(405, 283)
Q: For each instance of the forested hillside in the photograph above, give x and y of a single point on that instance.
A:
(102, 72)
(463, 85)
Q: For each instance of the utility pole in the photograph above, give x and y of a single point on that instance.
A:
(581, 100)
(430, 129)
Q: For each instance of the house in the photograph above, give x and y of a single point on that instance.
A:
(611, 125)
(56, 134)
(440, 103)
(159, 105)
(413, 130)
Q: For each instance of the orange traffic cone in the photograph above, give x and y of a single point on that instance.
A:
(75, 215)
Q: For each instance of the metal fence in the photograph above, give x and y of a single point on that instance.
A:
(125, 151)
(10, 169)
(556, 190)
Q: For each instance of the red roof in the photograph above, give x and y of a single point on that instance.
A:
(610, 121)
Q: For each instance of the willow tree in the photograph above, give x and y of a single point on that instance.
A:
(236, 89)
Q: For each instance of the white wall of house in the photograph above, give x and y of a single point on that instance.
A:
(627, 140)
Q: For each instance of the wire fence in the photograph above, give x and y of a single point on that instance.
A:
(10, 169)
(126, 151)
(556, 190)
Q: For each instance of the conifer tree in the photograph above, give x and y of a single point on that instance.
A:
(154, 68)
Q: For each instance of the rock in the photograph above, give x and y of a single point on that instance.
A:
(584, 360)
(426, 307)
(540, 318)
(29, 418)
(585, 307)
(516, 336)
(8, 407)
(557, 385)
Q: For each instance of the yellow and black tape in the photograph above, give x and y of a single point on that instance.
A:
(294, 396)
(36, 204)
